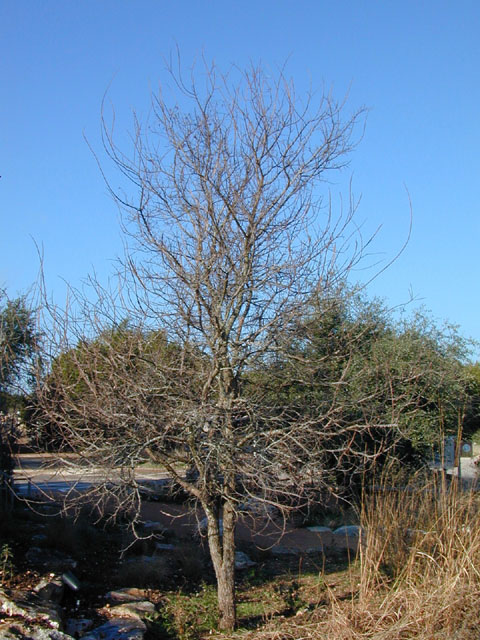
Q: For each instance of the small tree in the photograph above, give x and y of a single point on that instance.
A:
(18, 341)
(229, 240)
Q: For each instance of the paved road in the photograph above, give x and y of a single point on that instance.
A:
(37, 474)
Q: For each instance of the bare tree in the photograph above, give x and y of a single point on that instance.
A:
(230, 237)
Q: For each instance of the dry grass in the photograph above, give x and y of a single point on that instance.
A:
(417, 575)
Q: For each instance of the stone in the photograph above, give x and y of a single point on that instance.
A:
(22, 604)
(50, 558)
(312, 551)
(51, 590)
(153, 527)
(319, 529)
(137, 560)
(16, 606)
(163, 546)
(202, 526)
(128, 594)
(118, 629)
(348, 536)
(20, 631)
(77, 627)
(258, 508)
(39, 538)
(135, 610)
(278, 550)
(242, 561)
(350, 531)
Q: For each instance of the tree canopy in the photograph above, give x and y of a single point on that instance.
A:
(18, 341)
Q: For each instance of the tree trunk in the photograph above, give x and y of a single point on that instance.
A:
(222, 551)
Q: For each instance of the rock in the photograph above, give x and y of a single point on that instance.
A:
(319, 529)
(15, 606)
(76, 627)
(129, 594)
(19, 631)
(138, 560)
(202, 526)
(163, 546)
(51, 590)
(348, 536)
(39, 538)
(278, 550)
(258, 508)
(134, 610)
(50, 558)
(350, 531)
(118, 629)
(24, 606)
(153, 527)
(242, 561)
(312, 551)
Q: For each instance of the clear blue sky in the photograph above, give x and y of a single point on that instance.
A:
(414, 63)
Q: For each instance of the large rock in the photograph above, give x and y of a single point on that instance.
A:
(50, 558)
(76, 627)
(202, 527)
(118, 629)
(349, 536)
(133, 610)
(25, 606)
(242, 561)
(278, 550)
(128, 594)
(20, 631)
(50, 590)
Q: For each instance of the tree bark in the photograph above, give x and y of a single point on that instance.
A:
(222, 551)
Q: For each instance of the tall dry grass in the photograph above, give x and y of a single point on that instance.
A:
(418, 570)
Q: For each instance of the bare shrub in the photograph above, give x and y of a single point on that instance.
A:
(418, 575)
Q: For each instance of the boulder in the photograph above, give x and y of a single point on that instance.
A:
(76, 627)
(27, 606)
(134, 610)
(51, 590)
(52, 559)
(348, 536)
(118, 629)
(164, 546)
(242, 561)
(316, 528)
(151, 526)
(20, 631)
(278, 550)
(128, 594)
(202, 527)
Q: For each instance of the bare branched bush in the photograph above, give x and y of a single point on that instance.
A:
(418, 576)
